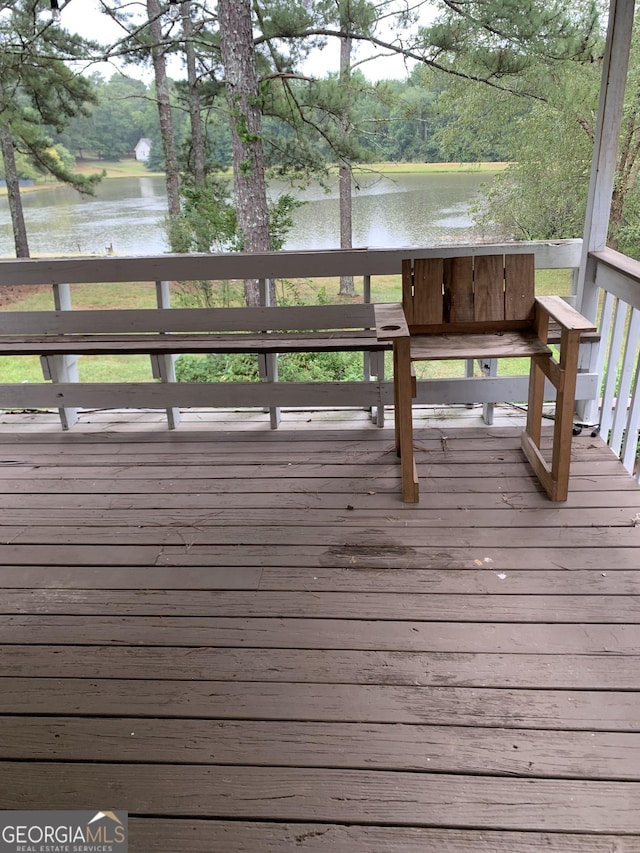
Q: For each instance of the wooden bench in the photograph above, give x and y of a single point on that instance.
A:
(485, 307)
(162, 334)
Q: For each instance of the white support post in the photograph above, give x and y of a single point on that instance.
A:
(62, 368)
(603, 168)
(164, 366)
(605, 149)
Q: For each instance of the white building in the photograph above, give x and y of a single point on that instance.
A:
(143, 149)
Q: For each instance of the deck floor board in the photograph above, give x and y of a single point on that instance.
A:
(244, 639)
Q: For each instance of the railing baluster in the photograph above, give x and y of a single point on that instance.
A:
(625, 379)
(630, 448)
(613, 357)
(618, 277)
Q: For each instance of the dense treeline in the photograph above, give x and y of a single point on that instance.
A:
(398, 121)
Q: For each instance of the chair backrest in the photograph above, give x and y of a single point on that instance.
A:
(471, 293)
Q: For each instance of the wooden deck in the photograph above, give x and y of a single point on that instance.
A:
(247, 641)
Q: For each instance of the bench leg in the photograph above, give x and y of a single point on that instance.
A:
(375, 362)
(403, 397)
(268, 369)
(62, 368)
(489, 367)
(163, 367)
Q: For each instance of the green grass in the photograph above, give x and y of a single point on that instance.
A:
(428, 168)
(128, 167)
(91, 368)
(125, 168)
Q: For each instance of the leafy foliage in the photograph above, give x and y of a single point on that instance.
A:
(292, 367)
(40, 91)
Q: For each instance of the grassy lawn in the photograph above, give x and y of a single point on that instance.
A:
(428, 168)
(130, 168)
(126, 168)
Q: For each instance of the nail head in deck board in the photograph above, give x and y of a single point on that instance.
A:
(166, 836)
(185, 631)
(332, 795)
(336, 666)
(483, 707)
(424, 607)
(449, 749)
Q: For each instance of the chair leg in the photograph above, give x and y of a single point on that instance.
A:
(404, 419)
(555, 477)
(396, 404)
(536, 402)
(565, 405)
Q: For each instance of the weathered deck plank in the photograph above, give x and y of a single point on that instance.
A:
(249, 642)
(449, 749)
(333, 796)
(594, 710)
(165, 836)
(608, 640)
(622, 609)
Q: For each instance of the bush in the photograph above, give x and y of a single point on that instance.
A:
(292, 367)
(232, 367)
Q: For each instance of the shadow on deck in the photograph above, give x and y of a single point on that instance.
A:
(250, 644)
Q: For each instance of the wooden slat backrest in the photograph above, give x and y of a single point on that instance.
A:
(458, 290)
(458, 294)
(208, 320)
(519, 295)
(422, 293)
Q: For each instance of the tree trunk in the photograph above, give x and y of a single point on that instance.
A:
(164, 108)
(197, 136)
(347, 287)
(249, 186)
(13, 193)
(616, 217)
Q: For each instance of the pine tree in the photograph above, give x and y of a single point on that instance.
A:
(39, 91)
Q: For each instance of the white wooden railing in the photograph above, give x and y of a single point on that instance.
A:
(617, 411)
(61, 274)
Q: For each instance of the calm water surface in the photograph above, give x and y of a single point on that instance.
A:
(127, 215)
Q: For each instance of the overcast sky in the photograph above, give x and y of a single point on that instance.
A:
(84, 18)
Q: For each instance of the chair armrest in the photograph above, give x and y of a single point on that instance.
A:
(564, 314)
(390, 321)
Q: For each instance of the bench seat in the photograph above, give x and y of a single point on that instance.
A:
(172, 343)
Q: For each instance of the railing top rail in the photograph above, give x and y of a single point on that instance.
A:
(629, 267)
(238, 266)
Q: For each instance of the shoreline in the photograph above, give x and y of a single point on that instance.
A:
(132, 169)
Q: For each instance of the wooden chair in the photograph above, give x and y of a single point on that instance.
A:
(485, 307)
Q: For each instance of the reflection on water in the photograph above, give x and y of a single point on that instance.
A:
(127, 214)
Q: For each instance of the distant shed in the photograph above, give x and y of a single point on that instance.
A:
(143, 149)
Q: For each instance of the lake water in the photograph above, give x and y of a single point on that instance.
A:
(127, 214)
